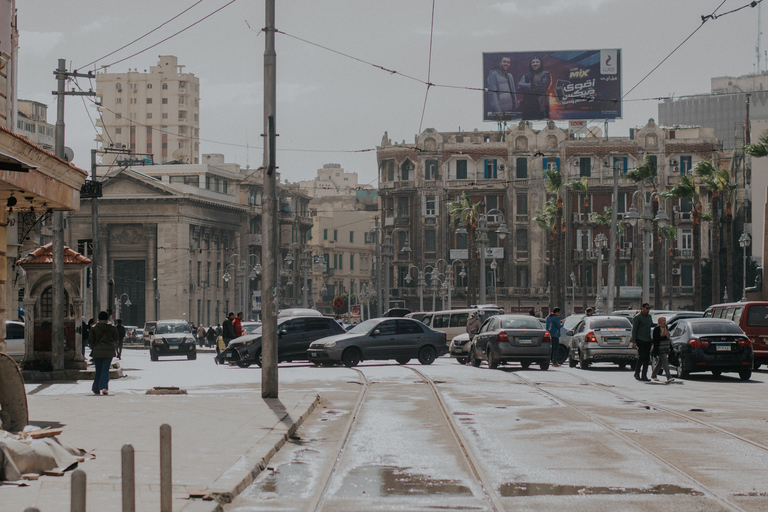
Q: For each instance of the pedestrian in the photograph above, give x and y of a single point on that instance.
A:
(227, 334)
(211, 336)
(85, 327)
(590, 311)
(642, 324)
(237, 324)
(661, 350)
(120, 337)
(473, 323)
(532, 313)
(102, 339)
(201, 335)
(553, 328)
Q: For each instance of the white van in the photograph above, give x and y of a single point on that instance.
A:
(454, 321)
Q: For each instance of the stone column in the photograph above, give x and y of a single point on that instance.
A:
(29, 329)
(150, 286)
(78, 358)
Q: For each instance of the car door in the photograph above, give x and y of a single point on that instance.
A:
(382, 345)
(315, 328)
(410, 337)
(483, 336)
(290, 334)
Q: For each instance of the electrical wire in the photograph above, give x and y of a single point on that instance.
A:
(429, 66)
(143, 36)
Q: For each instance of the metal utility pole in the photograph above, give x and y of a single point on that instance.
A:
(57, 249)
(269, 381)
(609, 306)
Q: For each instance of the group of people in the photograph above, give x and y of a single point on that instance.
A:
(231, 328)
(533, 87)
(205, 336)
(650, 342)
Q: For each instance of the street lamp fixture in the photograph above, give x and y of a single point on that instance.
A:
(661, 219)
(388, 254)
(601, 242)
(502, 231)
(744, 241)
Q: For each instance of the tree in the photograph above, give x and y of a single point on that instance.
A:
(463, 211)
(582, 187)
(688, 188)
(707, 173)
(553, 182)
(545, 218)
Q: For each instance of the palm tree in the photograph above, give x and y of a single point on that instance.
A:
(688, 188)
(553, 182)
(545, 218)
(648, 173)
(726, 189)
(708, 175)
(582, 187)
(669, 233)
(462, 210)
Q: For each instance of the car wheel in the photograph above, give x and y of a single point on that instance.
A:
(192, 356)
(525, 364)
(756, 365)
(745, 374)
(427, 355)
(572, 362)
(258, 358)
(473, 360)
(402, 360)
(544, 364)
(351, 357)
(315, 363)
(461, 360)
(152, 355)
(681, 374)
(583, 364)
(716, 373)
(243, 364)
(622, 366)
(562, 354)
(492, 363)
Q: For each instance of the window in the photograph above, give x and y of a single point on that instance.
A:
(390, 170)
(461, 241)
(620, 163)
(335, 235)
(430, 206)
(430, 240)
(522, 276)
(685, 239)
(149, 115)
(405, 174)
(461, 169)
(149, 101)
(686, 164)
(585, 166)
(325, 234)
(431, 170)
(351, 262)
(165, 100)
(521, 240)
(492, 203)
(490, 169)
(686, 275)
(118, 131)
(521, 168)
(351, 237)
(402, 207)
(521, 207)
(550, 164)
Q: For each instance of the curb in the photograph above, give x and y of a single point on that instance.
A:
(238, 477)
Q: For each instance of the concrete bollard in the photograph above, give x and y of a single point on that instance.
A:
(77, 489)
(128, 478)
(166, 473)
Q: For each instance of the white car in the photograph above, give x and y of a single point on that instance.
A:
(459, 347)
(14, 339)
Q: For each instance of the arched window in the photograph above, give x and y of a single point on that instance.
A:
(165, 86)
(46, 303)
(521, 143)
(650, 140)
(149, 86)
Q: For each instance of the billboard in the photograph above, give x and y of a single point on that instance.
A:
(561, 85)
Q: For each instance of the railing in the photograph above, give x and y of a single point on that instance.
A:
(521, 255)
(679, 291)
(521, 218)
(254, 239)
(521, 182)
(684, 254)
(578, 254)
(683, 217)
(625, 254)
(402, 221)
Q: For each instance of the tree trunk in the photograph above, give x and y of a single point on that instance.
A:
(729, 253)
(697, 256)
(473, 266)
(559, 268)
(658, 262)
(716, 251)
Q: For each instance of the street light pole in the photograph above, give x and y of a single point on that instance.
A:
(502, 232)
(744, 241)
(661, 218)
(573, 293)
(600, 242)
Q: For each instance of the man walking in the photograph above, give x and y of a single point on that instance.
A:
(553, 328)
(642, 324)
(227, 335)
(120, 337)
(102, 339)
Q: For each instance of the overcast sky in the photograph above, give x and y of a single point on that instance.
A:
(332, 108)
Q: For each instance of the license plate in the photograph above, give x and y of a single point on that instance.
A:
(313, 354)
(524, 341)
(613, 340)
(173, 345)
(724, 348)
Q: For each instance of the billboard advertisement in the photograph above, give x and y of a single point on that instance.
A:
(560, 85)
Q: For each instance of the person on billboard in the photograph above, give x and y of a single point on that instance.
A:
(534, 88)
(502, 96)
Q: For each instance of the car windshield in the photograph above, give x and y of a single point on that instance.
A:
(172, 328)
(571, 321)
(715, 328)
(610, 323)
(364, 327)
(520, 323)
(252, 328)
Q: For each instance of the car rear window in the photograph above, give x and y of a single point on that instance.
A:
(410, 327)
(758, 316)
(715, 328)
(607, 323)
(520, 323)
(316, 324)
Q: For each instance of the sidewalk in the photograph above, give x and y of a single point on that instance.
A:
(220, 441)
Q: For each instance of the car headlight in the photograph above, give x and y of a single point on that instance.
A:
(329, 344)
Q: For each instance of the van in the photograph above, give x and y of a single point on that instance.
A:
(454, 321)
(752, 317)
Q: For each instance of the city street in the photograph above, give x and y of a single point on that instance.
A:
(452, 437)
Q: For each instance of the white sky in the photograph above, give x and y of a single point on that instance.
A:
(330, 106)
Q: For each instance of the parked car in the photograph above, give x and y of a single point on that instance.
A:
(14, 339)
(129, 333)
(511, 338)
(294, 334)
(752, 318)
(400, 339)
(711, 344)
(148, 328)
(250, 327)
(602, 339)
(172, 338)
(459, 347)
(454, 321)
(672, 319)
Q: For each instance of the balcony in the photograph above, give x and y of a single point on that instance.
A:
(625, 254)
(396, 185)
(521, 218)
(519, 183)
(684, 254)
(578, 254)
(402, 221)
(521, 255)
(682, 291)
(254, 239)
(683, 217)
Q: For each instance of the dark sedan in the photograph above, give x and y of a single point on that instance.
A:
(400, 339)
(507, 338)
(294, 334)
(710, 345)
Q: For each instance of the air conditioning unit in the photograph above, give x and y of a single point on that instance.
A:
(675, 271)
(627, 245)
(673, 163)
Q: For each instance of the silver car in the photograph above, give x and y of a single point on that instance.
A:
(602, 339)
(507, 338)
(14, 339)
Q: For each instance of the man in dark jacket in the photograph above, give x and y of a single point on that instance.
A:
(642, 324)
(120, 337)
(553, 328)
(102, 339)
(227, 335)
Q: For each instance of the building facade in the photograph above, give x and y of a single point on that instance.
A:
(154, 115)
(503, 173)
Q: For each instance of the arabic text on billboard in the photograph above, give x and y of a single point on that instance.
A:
(562, 85)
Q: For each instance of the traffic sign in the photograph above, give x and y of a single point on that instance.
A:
(338, 303)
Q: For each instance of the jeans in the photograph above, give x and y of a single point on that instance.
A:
(643, 358)
(101, 378)
(663, 362)
(555, 349)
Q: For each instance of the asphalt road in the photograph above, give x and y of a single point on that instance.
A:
(452, 437)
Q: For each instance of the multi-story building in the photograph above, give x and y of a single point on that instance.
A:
(504, 171)
(32, 123)
(155, 113)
